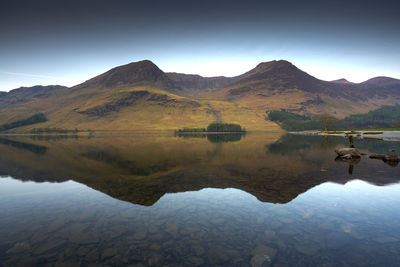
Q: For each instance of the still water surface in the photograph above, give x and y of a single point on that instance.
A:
(153, 200)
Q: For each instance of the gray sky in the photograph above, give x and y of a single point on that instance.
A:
(68, 42)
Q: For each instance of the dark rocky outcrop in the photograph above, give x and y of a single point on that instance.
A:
(127, 99)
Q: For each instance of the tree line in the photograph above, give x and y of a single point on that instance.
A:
(215, 127)
(37, 118)
(384, 117)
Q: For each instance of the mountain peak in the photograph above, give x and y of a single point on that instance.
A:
(142, 63)
(132, 73)
(275, 66)
(341, 81)
(271, 68)
(265, 66)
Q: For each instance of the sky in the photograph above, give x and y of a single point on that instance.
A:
(68, 42)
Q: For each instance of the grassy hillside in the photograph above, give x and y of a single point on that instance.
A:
(131, 108)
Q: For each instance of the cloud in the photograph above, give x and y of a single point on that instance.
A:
(30, 75)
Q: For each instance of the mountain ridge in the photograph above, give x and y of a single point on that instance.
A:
(140, 94)
(24, 94)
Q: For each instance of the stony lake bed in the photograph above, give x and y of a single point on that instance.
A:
(159, 200)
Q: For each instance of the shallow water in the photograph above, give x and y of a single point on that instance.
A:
(159, 200)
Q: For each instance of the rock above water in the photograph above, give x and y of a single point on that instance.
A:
(348, 152)
(393, 158)
(377, 156)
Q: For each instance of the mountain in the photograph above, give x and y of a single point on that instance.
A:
(24, 94)
(382, 81)
(140, 96)
(280, 76)
(142, 72)
(137, 72)
(341, 81)
(146, 72)
(193, 83)
(136, 96)
(279, 85)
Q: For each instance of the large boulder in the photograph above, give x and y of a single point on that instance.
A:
(348, 152)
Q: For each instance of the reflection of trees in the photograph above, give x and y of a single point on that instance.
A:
(222, 138)
(37, 149)
(191, 135)
(292, 142)
(214, 138)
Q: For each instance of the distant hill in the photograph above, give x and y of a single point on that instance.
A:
(140, 96)
(194, 83)
(341, 81)
(24, 94)
(382, 81)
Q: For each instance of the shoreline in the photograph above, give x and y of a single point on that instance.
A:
(360, 134)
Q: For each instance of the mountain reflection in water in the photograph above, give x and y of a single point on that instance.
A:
(141, 169)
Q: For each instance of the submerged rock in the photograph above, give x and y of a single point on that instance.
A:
(19, 248)
(108, 253)
(263, 256)
(260, 261)
(348, 152)
(140, 234)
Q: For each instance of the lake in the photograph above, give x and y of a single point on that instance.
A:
(147, 199)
